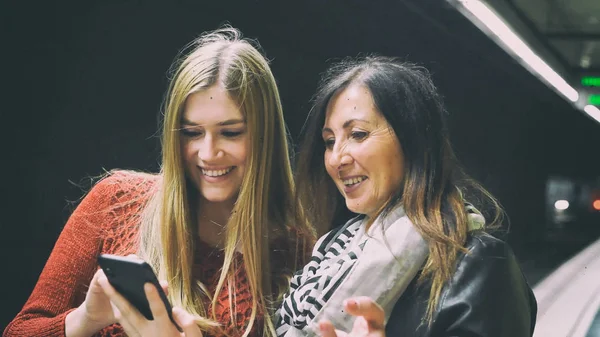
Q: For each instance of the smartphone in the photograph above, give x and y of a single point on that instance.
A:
(128, 277)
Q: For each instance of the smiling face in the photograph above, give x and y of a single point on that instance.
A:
(214, 144)
(363, 155)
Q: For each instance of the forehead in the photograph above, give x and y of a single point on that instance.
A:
(210, 106)
(352, 102)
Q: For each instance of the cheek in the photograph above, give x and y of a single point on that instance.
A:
(330, 170)
(187, 151)
(399, 161)
(383, 163)
(396, 170)
(240, 151)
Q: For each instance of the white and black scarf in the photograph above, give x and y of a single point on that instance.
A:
(348, 262)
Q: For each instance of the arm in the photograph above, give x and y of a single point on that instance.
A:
(63, 282)
(488, 295)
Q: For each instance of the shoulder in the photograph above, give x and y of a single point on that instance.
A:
(490, 263)
(488, 280)
(117, 195)
(121, 186)
(125, 180)
(118, 200)
(482, 245)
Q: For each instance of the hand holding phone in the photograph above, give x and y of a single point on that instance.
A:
(128, 276)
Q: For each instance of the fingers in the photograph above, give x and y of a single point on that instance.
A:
(97, 274)
(157, 307)
(364, 306)
(133, 256)
(186, 322)
(125, 311)
(94, 285)
(130, 330)
(165, 286)
(327, 329)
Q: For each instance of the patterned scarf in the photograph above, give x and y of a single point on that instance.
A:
(349, 262)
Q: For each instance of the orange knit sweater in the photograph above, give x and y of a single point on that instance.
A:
(106, 221)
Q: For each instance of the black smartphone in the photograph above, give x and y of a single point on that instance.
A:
(128, 277)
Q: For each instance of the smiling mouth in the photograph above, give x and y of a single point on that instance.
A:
(353, 181)
(217, 173)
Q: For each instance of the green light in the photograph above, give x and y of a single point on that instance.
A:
(594, 99)
(590, 81)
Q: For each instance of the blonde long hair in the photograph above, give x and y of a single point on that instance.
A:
(265, 210)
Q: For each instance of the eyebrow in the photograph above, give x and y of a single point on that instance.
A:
(347, 124)
(233, 121)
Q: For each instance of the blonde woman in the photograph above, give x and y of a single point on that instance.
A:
(218, 222)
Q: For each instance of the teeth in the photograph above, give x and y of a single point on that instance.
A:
(216, 173)
(353, 181)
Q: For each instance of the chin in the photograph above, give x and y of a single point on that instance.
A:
(354, 207)
(218, 198)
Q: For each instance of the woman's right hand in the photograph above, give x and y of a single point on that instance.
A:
(93, 314)
(369, 322)
(96, 307)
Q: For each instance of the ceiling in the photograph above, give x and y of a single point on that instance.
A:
(569, 28)
(564, 33)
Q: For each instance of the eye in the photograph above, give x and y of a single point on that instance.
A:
(191, 133)
(231, 133)
(358, 135)
(329, 142)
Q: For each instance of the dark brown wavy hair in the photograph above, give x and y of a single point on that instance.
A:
(434, 187)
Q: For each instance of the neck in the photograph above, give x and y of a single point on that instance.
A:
(394, 214)
(212, 218)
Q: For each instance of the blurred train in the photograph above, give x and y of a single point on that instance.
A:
(573, 207)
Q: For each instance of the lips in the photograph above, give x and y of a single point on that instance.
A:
(216, 172)
(350, 181)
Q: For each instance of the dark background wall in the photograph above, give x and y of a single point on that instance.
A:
(83, 83)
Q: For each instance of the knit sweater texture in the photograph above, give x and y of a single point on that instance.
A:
(107, 221)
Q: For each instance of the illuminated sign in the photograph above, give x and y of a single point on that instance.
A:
(590, 81)
(594, 99)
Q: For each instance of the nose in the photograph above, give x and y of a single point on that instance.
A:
(340, 157)
(208, 148)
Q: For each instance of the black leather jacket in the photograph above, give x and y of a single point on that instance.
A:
(487, 296)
